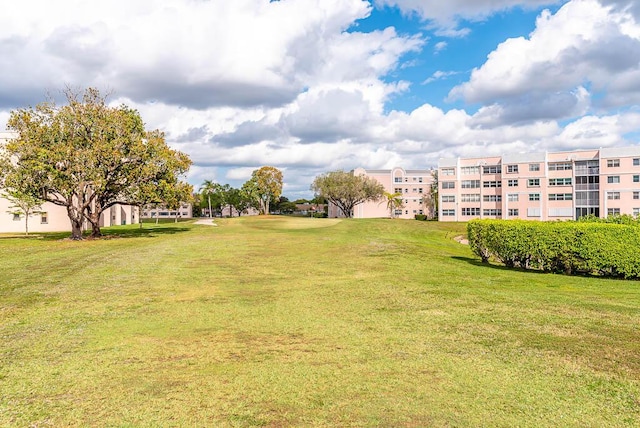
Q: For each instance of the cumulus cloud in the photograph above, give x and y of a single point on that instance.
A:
(543, 76)
(245, 53)
(446, 16)
(251, 83)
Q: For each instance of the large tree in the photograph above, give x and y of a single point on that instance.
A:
(88, 156)
(238, 200)
(346, 190)
(264, 186)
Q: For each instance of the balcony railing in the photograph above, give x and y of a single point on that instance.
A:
(589, 186)
(581, 170)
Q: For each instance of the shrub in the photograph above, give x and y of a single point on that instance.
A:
(421, 217)
(602, 248)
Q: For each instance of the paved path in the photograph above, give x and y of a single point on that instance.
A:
(206, 221)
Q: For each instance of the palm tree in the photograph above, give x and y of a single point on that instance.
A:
(394, 202)
(209, 187)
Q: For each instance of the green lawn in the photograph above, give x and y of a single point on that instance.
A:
(283, 321)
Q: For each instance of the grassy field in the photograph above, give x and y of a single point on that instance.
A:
(306, 322)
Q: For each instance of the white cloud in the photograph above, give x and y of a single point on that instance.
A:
(439, 75)
(584, 43)
(240, 53)
(440, 46)
(446, 15)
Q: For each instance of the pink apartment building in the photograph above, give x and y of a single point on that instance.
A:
(412, 184)
(541, 186)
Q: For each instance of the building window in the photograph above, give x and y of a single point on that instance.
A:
(16, 217)
(448, 198)
(636, 195)
(533, 212)
(512, 183)
(470, 211)
(420, 190)
(492, 169)
(613, 163)
(470, 184)
(561, 196)
(513, 212)
(613, 211)
(560, 166)
(534, 182)
(613, 179)
(636, 161)
(636, 212)
(448, 213)
(448, 171)
(466, 197)
(534, 196)
(419, 179)
(560, 181)
(492, 184)
(397, 190)
(397, 180)
(397, 212)
(534, 167)
(44, 219)
(512, 169)
(492, 198)
(448, 184)
(512, 197)
(492, 212)
(636, 178)
(468, 170)
(613, 195)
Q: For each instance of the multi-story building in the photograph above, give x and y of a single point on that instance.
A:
(541, 186)
(53, 218)
(413, 185)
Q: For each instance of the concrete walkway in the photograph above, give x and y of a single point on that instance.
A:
(206, 221)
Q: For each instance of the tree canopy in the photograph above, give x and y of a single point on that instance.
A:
(88, 156)
(264, 186)
(346, 190)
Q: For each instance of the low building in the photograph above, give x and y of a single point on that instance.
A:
(185, 211)
(541, 186)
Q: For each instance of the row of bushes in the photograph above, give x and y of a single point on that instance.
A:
(606, 249)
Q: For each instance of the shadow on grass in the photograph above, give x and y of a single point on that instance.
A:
(148, 231)
(476, 262)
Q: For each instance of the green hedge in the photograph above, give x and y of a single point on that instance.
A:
(607, 249)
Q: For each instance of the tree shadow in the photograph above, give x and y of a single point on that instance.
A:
(148, 231)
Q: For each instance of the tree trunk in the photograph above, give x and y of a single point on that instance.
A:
(95, 230)
(210, 212)
(76, 229)
(26, 224)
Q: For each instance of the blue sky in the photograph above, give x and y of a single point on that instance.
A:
(311, 86)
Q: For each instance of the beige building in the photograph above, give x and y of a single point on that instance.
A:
(541, 186)
(414, 186)
(54, 218)
(185, 211)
